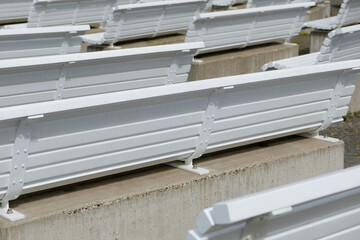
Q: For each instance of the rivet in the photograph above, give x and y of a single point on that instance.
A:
(15, 166)
(20, 181)
(14, 182)
(27, 135)
(22, 165)
(195, 166)
(17, 152)
(20, 136)
(204, 130)
(25, 150)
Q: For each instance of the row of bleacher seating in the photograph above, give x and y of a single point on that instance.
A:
(78, 116)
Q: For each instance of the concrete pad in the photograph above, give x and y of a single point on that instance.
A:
(239, 61)
(161, 202)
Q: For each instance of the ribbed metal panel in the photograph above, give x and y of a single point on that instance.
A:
(46, 13)
(340, 45)
(86, 137)
(29, 42)
(240, 28)
(14, 10)
(264, 3)
(326, 207)
(148, 20)
(38, 79)
(349, 13)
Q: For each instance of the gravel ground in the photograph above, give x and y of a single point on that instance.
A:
(349, 132)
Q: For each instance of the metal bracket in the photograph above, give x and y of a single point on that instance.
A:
(208, 122)
(17, 169)
(160, 21)
(174, 67)
(61, 83)
(330, 114)
(319, 137)
(66, 44)
(190, 168)
(251, 30)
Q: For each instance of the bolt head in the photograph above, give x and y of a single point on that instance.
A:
(9, 211)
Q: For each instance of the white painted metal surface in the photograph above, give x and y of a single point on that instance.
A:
(240, 28)
(47, 144)
(29, 42)
(45, 13)
(142, 20)
(38, 79)
(14, 10)
(349, 13)
(265, 3)
(325, 207)
(225, 3)
(340, 45)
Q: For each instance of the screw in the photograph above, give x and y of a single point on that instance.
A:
(9, 211)
(195, 166)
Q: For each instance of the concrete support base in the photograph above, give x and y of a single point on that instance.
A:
(317, 39)
(354, 105)
(161, 202)
(239, 61)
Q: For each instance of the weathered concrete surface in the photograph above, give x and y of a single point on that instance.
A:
(162, 202)
(239, 61)
(321, 10)
(317, 39)
(354, 105)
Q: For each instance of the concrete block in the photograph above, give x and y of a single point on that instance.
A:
(161, 202)
(321, 10)
(316, 40)
(239, 61)
(354, 105)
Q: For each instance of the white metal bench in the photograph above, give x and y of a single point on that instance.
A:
(45, 13)
(349, 13)
(29, 42)
(240, 28)
(325, 207)
(47, 144)
(38, 79)
(14, 10)
(142, 20)
(340, 45)
(264, 3)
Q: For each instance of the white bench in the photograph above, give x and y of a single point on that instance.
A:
(48, 144)
(241, 28)
(349, 13)
(14, 10)
(39, 79)
(142, 20)
(325, 207)
(265, 3)
(29, 42)
(340, 45)
(45, 13)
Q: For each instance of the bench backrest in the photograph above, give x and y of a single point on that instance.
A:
(49, 78)
(341, 44)
(240, 28)
(349, 13)
(86, 137)
(30, 42)
(14, 10)
(44, 13)
(151, 19)
(264, 3)
(325, 207)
